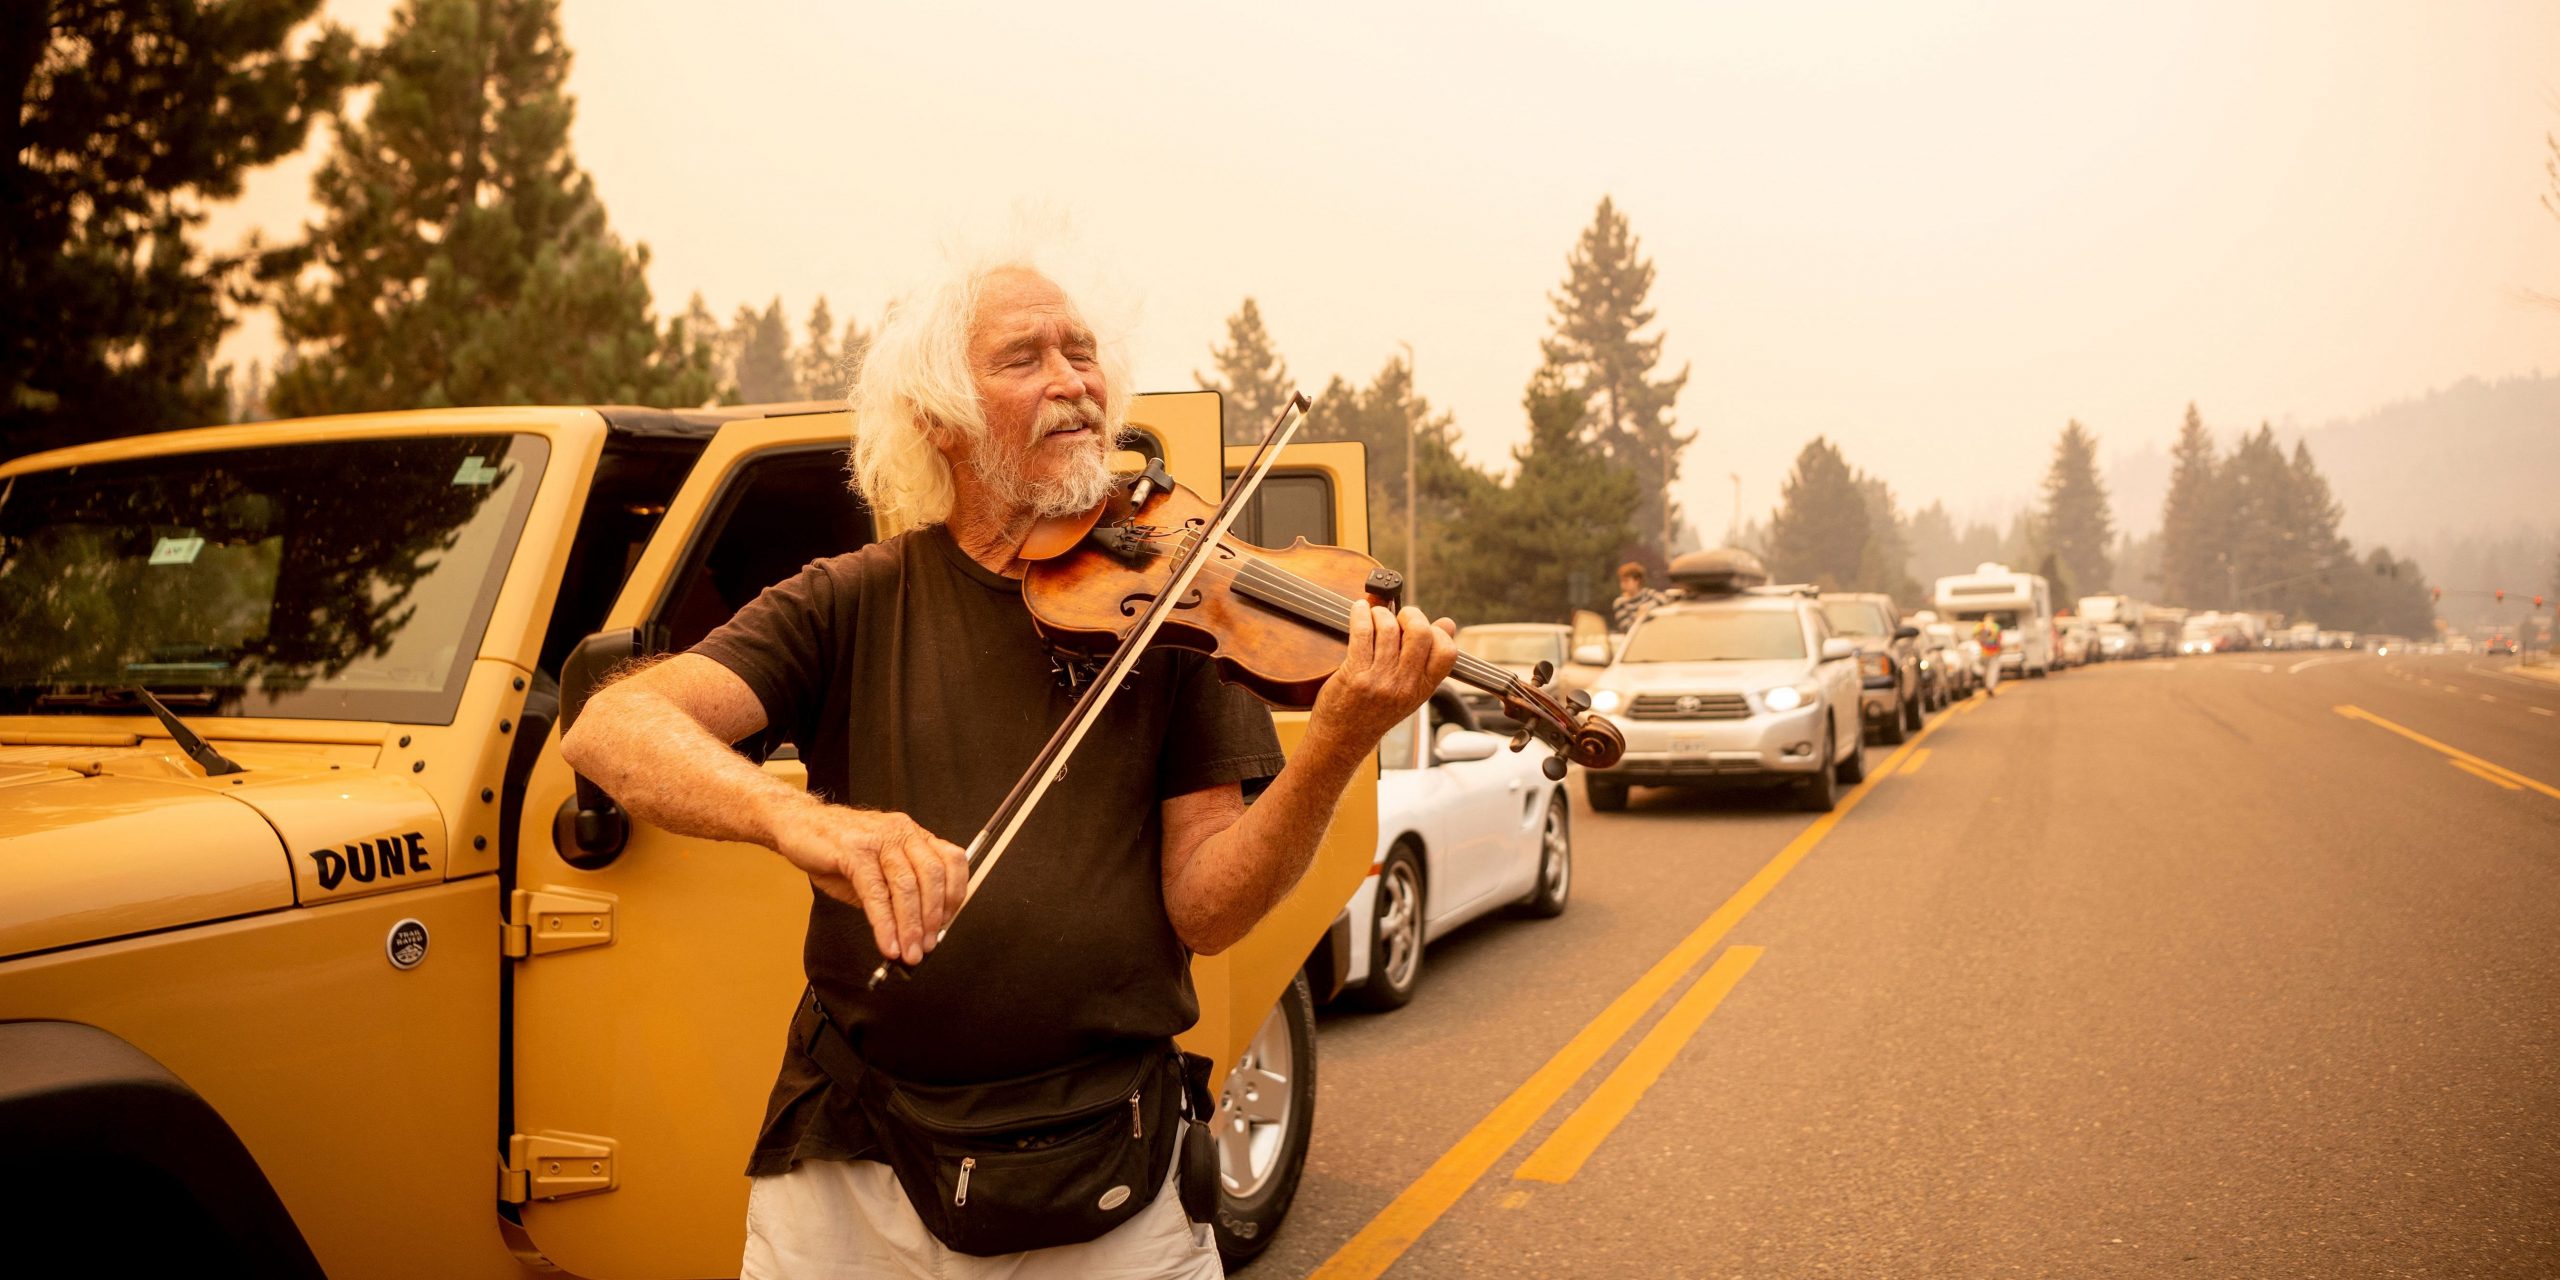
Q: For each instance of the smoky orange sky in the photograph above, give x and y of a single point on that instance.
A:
(1932, 232)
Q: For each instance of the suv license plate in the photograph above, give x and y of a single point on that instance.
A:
(1690, 746)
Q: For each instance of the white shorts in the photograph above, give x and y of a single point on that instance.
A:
(846, 1218)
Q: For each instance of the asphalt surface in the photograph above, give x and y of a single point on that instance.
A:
(2165, 968)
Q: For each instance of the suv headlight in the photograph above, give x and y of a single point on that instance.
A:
(1605, 701)
(1785, 697)
(1876, 664)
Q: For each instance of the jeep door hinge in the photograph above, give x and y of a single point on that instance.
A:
(551, 1166)
(542, 921)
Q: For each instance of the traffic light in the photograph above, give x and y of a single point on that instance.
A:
(2436, 594)
(2501, 594)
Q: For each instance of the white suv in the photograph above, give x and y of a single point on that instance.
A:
(1741, 688)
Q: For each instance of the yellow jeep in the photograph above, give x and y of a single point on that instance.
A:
(328, 964)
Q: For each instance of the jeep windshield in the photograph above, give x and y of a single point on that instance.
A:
(344, 579)
(1736, 635)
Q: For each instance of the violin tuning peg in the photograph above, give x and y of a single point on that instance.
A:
(1578, 700)
(1519, 740)
(1553, 767)
(1545, 671)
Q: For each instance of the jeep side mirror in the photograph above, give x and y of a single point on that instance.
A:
(1591, 655)
(1906, 633)
(1835, 649)
(590, 829)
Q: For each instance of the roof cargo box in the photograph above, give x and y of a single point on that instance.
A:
(1723, 571)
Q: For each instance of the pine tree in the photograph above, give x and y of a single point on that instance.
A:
(2075, 522)
(1251, 379)
(824, 373)
(2194, 522)
(128, 119)
(1819, 532)
(1937, 551)
(2267, 549)
(2325, 552)
(1598, 313)
(462, 257)
(1885, 564)
(765, 372)
(1385, 416)
(1545, 544)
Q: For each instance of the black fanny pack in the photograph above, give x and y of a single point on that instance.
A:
(1057, 1158)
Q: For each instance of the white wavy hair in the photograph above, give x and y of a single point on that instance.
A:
(915, 381)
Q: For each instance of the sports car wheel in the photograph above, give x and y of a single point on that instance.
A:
(1264, 1117)
(1395, 932)
(1555, 861)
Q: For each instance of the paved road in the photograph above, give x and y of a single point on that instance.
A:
(2169, 968)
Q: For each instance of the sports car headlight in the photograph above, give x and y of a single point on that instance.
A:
(1785, 697)
(1605, 701)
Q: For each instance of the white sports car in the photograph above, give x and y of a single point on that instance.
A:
(1465, 826)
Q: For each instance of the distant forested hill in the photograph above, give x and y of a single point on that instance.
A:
(2477, 459)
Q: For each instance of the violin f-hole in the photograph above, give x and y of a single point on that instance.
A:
(1136, 602)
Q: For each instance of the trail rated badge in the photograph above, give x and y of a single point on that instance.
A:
(407, 945)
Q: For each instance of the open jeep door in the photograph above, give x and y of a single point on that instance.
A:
(651, 989)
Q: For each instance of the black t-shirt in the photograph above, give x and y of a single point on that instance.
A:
(912, 679)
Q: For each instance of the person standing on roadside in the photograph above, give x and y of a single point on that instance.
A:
(1633, 598)
(1986, 636)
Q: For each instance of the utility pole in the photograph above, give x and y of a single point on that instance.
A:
(1733, 527)
(1412, 550)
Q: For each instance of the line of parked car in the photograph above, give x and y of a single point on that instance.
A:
(1729, 681)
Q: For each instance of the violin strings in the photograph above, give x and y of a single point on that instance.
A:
(1317, 603)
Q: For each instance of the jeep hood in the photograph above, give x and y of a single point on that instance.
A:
(88, 854)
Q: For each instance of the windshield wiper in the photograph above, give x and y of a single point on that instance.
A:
(215, 763)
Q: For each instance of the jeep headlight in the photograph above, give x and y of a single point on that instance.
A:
(1605, 701)
(1875, 664)
(1785, 697)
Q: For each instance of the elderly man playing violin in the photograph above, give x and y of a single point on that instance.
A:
(959, 1120)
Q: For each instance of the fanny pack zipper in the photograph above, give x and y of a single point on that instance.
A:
(960, 1195)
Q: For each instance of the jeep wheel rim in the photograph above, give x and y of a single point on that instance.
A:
(1253, 1111)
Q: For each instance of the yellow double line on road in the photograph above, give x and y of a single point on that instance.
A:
(2463, 760)
(1377, 1245)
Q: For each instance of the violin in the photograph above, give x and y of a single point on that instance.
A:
(1153, 563)
(1275, 619)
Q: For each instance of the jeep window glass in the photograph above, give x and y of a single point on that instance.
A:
(1856, 618)
(345, 579)
(1736, 635)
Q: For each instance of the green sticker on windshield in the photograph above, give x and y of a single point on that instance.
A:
(476, 471)
(177, 550)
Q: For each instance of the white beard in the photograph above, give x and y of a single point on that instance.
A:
(1080, 484)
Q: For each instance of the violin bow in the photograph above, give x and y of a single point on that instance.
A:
(1051, 764)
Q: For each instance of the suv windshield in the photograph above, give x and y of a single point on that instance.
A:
(1512, 648)
(347, 579)
(1718, 635)
(1856, 618)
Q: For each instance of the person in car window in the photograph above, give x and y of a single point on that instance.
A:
(1633, 598)
(910, 676)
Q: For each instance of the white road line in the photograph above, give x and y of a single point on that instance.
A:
(2453, 688)
(2313, 662)
(2509, 676)
(2542, 711)
(2267, 667)
(2488, 697)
